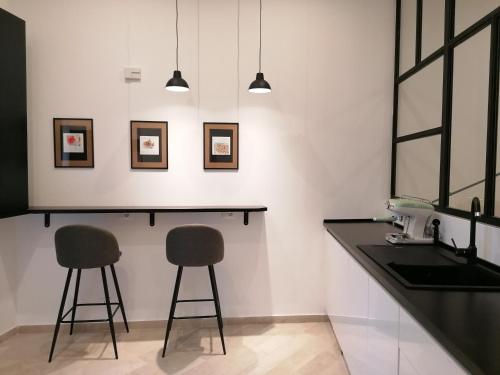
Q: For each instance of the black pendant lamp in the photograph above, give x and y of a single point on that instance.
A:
(260, 85)
(177, 83)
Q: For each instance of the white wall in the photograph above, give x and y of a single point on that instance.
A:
(317, 147)
(8, 276)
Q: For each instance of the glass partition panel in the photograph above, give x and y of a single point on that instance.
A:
(420, 100)
(467, 12)
(432, 26)
(469, 120)
(408, 34)
(417, 168)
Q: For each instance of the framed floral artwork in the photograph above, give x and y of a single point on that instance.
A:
(73, 143)
(220, 145)
(149, 144)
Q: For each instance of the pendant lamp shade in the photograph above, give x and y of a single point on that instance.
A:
(177, 83)
(260, 85)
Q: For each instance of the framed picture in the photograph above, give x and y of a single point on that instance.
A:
(149, 144)
(220, 145)
(73, 143)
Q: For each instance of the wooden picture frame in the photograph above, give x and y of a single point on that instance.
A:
(73, 143)
(149, 144)
(220, 145)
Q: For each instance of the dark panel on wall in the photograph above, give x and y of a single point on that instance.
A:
(13, 122)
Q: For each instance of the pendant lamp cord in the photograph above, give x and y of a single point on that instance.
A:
(260, 37)
(177, 34)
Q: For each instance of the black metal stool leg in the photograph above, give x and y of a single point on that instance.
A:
(216, 297)
(60, 314)
(108, 307)
(172, 307)
(213, 282)
(119, 295)
(75, 299)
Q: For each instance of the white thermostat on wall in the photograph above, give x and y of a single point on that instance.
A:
(132, 74)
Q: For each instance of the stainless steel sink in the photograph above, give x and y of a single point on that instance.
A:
(432, 267)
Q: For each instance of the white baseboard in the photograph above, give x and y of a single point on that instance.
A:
(11, 332)
(89, 327)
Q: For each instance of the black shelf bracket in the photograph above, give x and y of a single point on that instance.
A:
(152, 221)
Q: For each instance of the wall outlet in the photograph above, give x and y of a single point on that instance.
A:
(125, 217)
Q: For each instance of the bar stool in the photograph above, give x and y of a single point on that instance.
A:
(195, 246)
(85, 247)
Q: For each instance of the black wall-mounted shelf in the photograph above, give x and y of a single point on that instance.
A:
(47, 211)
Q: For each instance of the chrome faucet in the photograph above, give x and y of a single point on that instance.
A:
(470, 252)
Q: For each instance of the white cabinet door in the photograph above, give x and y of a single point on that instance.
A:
(363, 315)
(347, 283)
(376, 335)
(347, 304)
(383, 332)
(405, 367)
(422, 352)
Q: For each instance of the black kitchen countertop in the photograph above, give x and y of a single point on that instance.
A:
(465, 323)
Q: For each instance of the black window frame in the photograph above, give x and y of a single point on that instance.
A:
(446, 51)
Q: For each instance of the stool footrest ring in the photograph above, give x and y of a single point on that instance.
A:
(196, 300)
(91, 320)
(195, 317)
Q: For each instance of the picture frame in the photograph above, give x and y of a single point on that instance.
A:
(149, 144)
(221, 145)
(73, 142)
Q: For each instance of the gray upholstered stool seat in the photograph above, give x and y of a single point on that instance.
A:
(84, 247)
(195, 246)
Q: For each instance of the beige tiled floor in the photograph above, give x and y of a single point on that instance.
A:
(285, 348)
